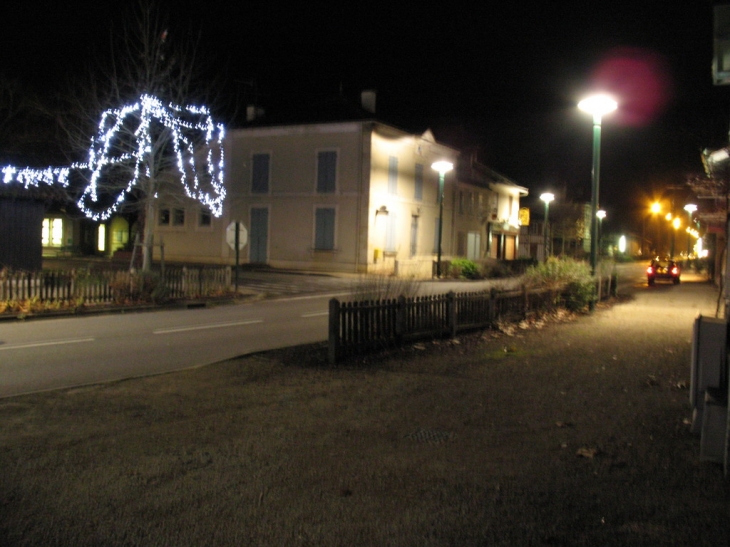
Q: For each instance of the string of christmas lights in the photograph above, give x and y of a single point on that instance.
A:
(112, 146)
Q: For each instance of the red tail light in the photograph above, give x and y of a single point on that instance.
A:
(675, 271)
(650, 270)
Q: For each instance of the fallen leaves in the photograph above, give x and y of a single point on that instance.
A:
(587, 452)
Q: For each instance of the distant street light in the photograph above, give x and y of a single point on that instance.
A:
(690, 208)
(442, 167)
(597, 106)
(547, 197)
(601, 214)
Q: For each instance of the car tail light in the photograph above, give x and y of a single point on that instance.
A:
(675, 271)
(650, 270)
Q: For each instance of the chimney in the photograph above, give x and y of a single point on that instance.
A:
(367, 99)
(253, 112)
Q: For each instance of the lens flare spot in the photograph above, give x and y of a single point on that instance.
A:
(639, 80)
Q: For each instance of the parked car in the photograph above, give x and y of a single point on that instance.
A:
(667, 270)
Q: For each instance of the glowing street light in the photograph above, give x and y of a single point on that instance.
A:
(547, 197)
(597, 106)
(690, 208)
(656, 208)
(442, 167)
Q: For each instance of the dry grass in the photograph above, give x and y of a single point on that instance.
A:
(544, 437)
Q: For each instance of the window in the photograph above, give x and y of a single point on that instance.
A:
(392, 175)
(418, 183)
(324, 229)
(326, 172)
(52, 232)
(178, 217)
(174, 217)
(414, 236)
(391, 235)
(101, 238)
(260, 173)
(204, 218)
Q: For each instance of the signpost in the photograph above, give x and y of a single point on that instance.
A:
(236, 237)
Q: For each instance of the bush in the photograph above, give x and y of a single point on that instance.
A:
(464, 268)
(572, 278)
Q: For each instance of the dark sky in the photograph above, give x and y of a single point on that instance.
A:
(502, 77)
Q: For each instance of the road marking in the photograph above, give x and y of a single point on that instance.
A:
(316, 314)
(42, 344)
(202, 327)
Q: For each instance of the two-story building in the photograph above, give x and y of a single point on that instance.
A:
(345, 192)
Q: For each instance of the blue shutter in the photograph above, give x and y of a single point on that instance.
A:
(326, 172)
(260, 174)
(324, 229)
(418, 190)
(392, 175)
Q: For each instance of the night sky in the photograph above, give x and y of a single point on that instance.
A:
(502, 78)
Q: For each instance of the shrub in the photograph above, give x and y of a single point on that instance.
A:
(463, 267)
(572, 278)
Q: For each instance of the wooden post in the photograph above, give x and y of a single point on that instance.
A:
(400, 318)
(162, 260)
(451, 313)
(333, 336)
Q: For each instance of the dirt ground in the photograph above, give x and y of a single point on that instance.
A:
(572, 431)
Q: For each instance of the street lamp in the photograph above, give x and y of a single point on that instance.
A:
(690, 208)
(601, 214)
(547, 197)
(597, 106)
(442, 167)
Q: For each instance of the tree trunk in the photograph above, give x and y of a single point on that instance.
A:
(149, 215)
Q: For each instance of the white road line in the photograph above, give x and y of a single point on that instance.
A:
(41, 344)
(316, 314)
(202, 327)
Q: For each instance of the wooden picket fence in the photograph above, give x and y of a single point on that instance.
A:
(362, 326)
(106, 286)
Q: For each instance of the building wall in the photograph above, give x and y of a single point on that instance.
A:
(20, 234)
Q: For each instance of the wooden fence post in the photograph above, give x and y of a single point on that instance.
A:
(451, 313)
(492, 306)
(400, 318)
(333, 336)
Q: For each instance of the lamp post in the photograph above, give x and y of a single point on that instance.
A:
(597, 106)
(676, 223)
(601, 214)
(656, 208)
(547, 197)
(690, 208)
(442, 167)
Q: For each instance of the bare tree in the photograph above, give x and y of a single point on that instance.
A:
(147, 139)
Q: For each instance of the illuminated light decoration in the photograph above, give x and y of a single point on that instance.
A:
(188, 126)
(34, 177)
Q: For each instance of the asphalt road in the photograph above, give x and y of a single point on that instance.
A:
(65, 352)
